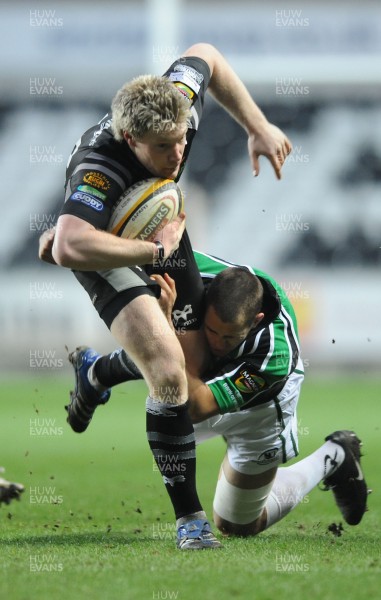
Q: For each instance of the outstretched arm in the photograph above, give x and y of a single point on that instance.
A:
(264, 138)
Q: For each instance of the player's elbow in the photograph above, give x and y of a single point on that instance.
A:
(70, 247)
(196, 415)
(196, 411)
(201, 408)
(206, 51)
(63, 254)
(202, 47)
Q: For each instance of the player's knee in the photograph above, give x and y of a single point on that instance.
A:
(171, 382)
(240, 510)
(168, 382)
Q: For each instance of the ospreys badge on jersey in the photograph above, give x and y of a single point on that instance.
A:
(181, 317)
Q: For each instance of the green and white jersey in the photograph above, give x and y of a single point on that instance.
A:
(255, 371)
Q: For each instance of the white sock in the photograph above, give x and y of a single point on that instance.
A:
(293, 483)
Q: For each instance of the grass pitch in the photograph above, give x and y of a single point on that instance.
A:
(95, 521)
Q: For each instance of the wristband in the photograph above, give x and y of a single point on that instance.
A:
(159, 252)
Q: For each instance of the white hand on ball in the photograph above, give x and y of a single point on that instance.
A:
(171, 234)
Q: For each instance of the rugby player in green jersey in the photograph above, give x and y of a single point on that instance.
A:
(248, 393)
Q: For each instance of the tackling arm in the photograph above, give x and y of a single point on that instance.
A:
(235, 387)
(202, 403)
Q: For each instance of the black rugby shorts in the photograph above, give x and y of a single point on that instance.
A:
(111, 290)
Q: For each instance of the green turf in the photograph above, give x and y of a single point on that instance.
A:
(95, 521)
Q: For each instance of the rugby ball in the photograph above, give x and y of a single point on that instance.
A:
(145, 208)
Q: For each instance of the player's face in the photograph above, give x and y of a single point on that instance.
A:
(161, 153)
(223, 337)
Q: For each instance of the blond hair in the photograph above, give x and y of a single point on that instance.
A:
(148, 103)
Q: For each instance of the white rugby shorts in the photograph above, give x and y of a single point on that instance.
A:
(261, 437)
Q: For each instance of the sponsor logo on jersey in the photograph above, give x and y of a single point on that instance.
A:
(233, 394)
(267, 456)
(188, 76)
(92, 191)
(97, 180)
(247, 383)
(88, 200)
(184, 90)
(191, 72)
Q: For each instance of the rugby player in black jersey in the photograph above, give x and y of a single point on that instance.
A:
(249, 395)
(149, 133)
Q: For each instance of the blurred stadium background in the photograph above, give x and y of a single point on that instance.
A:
(312, 66)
